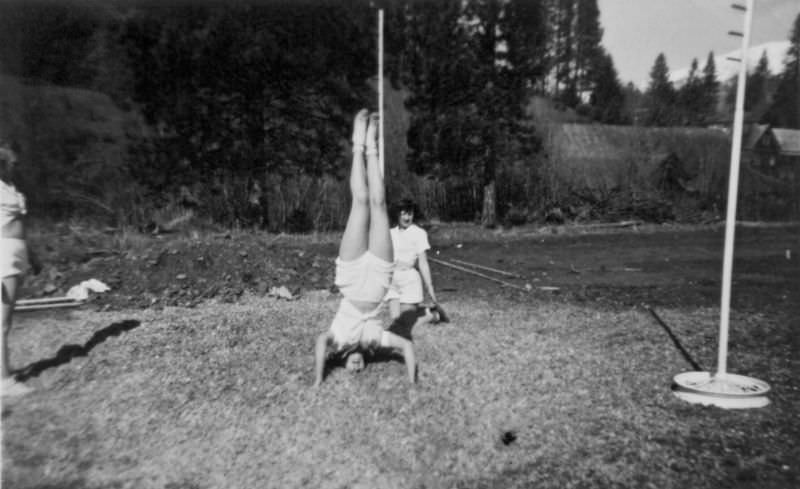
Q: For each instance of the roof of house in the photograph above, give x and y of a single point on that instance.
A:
(602, 156)
(788, 140)
(752, 133)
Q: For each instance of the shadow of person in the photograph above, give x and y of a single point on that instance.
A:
(404, 324)
(66, 353)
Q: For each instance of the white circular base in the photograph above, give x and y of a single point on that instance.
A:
(727, 391)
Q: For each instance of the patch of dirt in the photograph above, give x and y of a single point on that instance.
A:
(184, 271)
(656, 267)
(628, 268)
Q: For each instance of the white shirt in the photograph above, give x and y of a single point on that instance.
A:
(12, 203)
(408, 243)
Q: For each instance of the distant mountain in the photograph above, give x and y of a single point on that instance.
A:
(727, 69)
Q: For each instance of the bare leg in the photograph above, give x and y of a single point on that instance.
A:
(10, 285)
(407, 348)
(403, 306)
(10, 387)
(354, 240)
(394, 309)
(380, 241)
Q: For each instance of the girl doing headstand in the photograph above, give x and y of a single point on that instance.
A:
(365, 262)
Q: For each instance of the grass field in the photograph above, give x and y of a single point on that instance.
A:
(518, 391)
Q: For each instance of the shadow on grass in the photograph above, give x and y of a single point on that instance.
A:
(675, 341)
(67, 352)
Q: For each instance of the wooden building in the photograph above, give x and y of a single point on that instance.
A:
(773, 151)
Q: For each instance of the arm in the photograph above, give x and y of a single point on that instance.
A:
(404, 345)
(410, 359)
(320, 348)
(425, 271)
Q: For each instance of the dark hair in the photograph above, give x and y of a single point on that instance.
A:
(408, 205)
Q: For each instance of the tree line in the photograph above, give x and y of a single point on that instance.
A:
(238, 95)
(702, 99)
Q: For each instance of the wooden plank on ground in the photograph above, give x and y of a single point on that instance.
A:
(23, 305)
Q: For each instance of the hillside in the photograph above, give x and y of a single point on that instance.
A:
(73, 144)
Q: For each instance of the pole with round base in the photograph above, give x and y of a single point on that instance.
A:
(729, 391)
(723, 389)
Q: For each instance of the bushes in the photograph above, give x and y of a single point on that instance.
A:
(73, 150)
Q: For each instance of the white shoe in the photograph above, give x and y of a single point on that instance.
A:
(13, 388)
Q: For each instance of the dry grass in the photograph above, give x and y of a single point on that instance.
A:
(220, 396)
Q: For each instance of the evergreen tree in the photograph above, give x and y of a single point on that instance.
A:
(691, 98)
(47, 41)
(660, 95)
(469, 66)
(238, 92)
(565, 88)
(756, 85)
(785, 109)
(589, 54)
(756, 89)
(574, 49)
(634, 104)
(607, 101)
(525, 24)
(435, 66)
(710, 90)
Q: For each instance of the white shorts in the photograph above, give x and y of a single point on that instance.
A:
(352, 328)
(364, 279)
(13, 257)
(406, 287)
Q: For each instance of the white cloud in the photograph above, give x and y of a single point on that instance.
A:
(727, 69)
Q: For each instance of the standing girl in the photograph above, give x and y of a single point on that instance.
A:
(15, 260)
(410, 244)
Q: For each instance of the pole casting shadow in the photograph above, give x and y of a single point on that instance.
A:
(67, 352)
(676, 342)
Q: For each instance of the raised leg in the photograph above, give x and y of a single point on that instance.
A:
(380, 241)
(356, 232)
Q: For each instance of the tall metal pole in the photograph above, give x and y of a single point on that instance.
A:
(723, 389)
(380, 93)
(733, 187)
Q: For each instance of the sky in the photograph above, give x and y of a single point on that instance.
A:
(636, 31)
